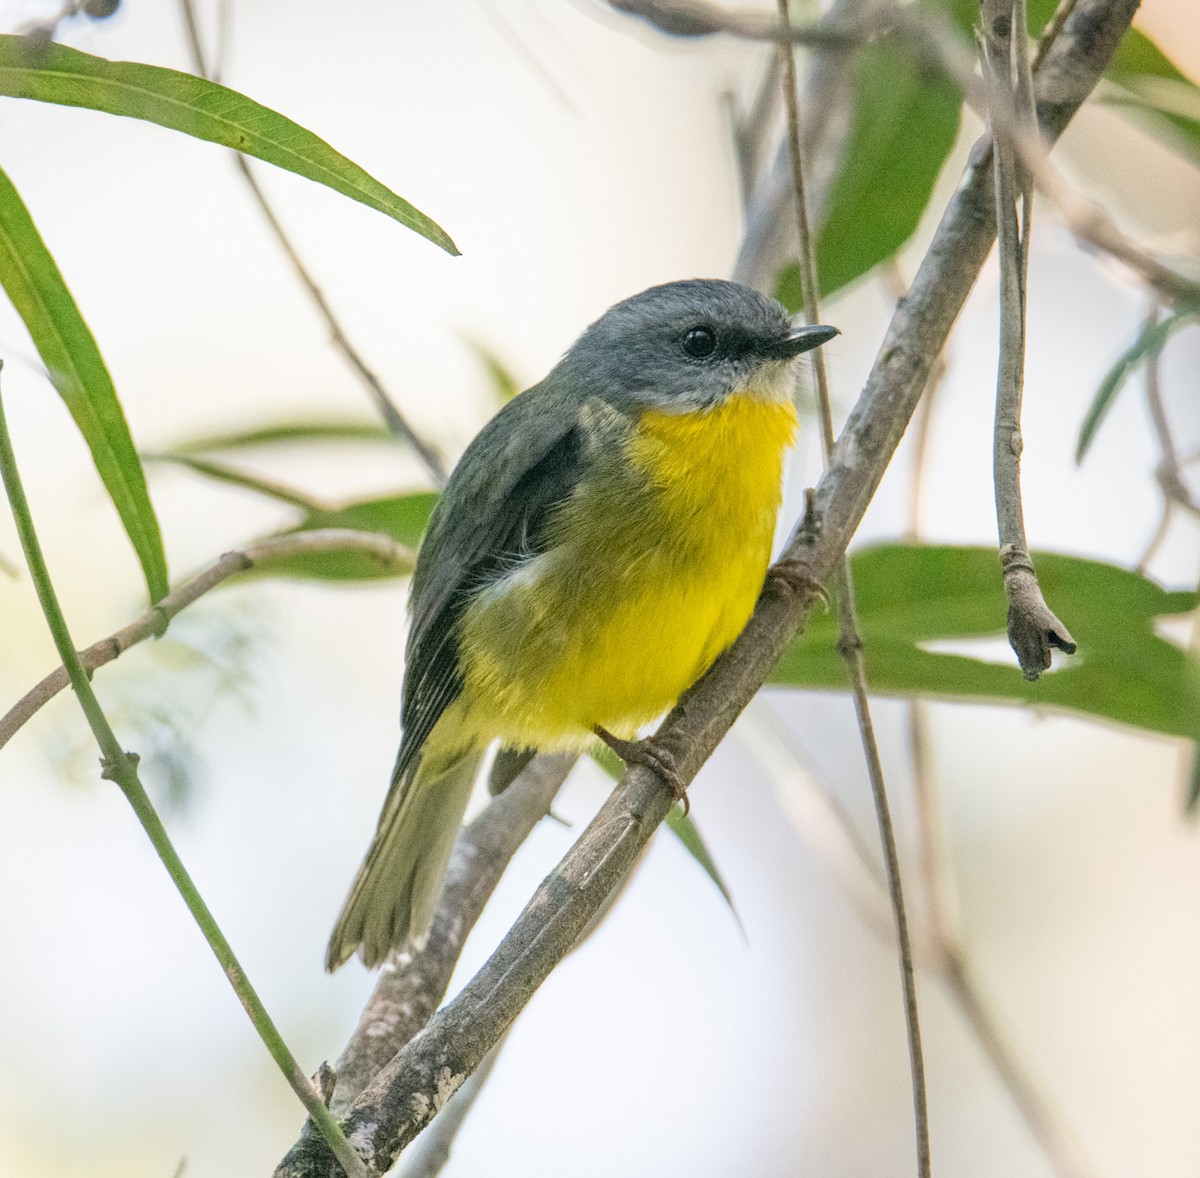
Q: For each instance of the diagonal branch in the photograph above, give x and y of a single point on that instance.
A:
(405, 1096)
(153, 623)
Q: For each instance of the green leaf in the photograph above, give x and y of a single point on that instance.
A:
(72, 358)
(1150, 84)
(903, 124)
(221, 473)
(504, 384)
(680, 825)
(684, 829)
(1154, 88)
(910, 596)
(286, 433)
(1149, 343)
(202, 109)
(1191, 799)
(402, 517)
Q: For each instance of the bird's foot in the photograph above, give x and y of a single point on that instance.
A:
(795, 576)
(655, 752)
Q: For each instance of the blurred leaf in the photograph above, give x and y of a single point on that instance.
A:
(903, 124)
(1191, 801)
(679, 824)
(1153, 85)
(1156, 89)
(286, 433)
(67, 348)
(684, 829)
(221, 473)
(504, 384)
(202, 109)
(402, 517)
(911, 595)
(1149, 343)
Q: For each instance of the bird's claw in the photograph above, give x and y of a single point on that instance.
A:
(656, 753)
(795, 576)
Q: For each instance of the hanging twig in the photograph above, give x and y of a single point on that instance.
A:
(1033, 629)
(849, 637)
(393, 418)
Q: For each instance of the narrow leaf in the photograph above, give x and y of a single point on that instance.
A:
(913, 596)
(680, 825)
(32, 281)
(903, 124)
(504, 384)
(1149, 343)
(402, 517)
(287, 433)
(221, 473)
(1146, 82)
(202, 109)
(684, 829)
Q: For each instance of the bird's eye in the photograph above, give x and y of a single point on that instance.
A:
(700, 342)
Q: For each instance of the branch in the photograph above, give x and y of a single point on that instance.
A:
(404, 1097)
(121, 766)
(849, 633)
(153, 623)
(685, 18)
(1032, 626)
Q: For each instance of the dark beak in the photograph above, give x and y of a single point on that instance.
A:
(805, 338)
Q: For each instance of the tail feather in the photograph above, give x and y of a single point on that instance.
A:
(397, 888)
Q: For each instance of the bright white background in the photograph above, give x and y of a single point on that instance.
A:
(576, 159)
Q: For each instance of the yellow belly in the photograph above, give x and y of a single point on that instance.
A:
(653, 570)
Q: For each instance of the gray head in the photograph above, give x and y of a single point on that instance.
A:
(689, 345)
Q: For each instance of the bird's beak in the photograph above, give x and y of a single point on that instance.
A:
(804, 338)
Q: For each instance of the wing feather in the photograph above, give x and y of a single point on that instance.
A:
(503, 492)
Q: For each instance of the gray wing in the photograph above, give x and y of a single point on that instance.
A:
(524, 463)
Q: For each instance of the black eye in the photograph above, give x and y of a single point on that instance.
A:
(700, 342)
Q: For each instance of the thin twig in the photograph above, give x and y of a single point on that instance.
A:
(1033, 629)
(686, 18)
(1169, 472)
(1058, 1146)
(934, 41)
(394, 419)
(849, 635)
(833, 837)
(153, 623)
(121, 766)
(828, 90)
(401, 1099)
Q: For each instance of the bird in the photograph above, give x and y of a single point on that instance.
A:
(600, 542)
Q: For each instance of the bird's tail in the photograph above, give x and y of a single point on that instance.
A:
(396, 892)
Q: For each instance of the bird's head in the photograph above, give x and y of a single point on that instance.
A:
(689, 346)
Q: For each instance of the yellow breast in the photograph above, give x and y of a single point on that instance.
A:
(654, 568)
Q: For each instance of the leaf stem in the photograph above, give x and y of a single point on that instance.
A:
(121, 766)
